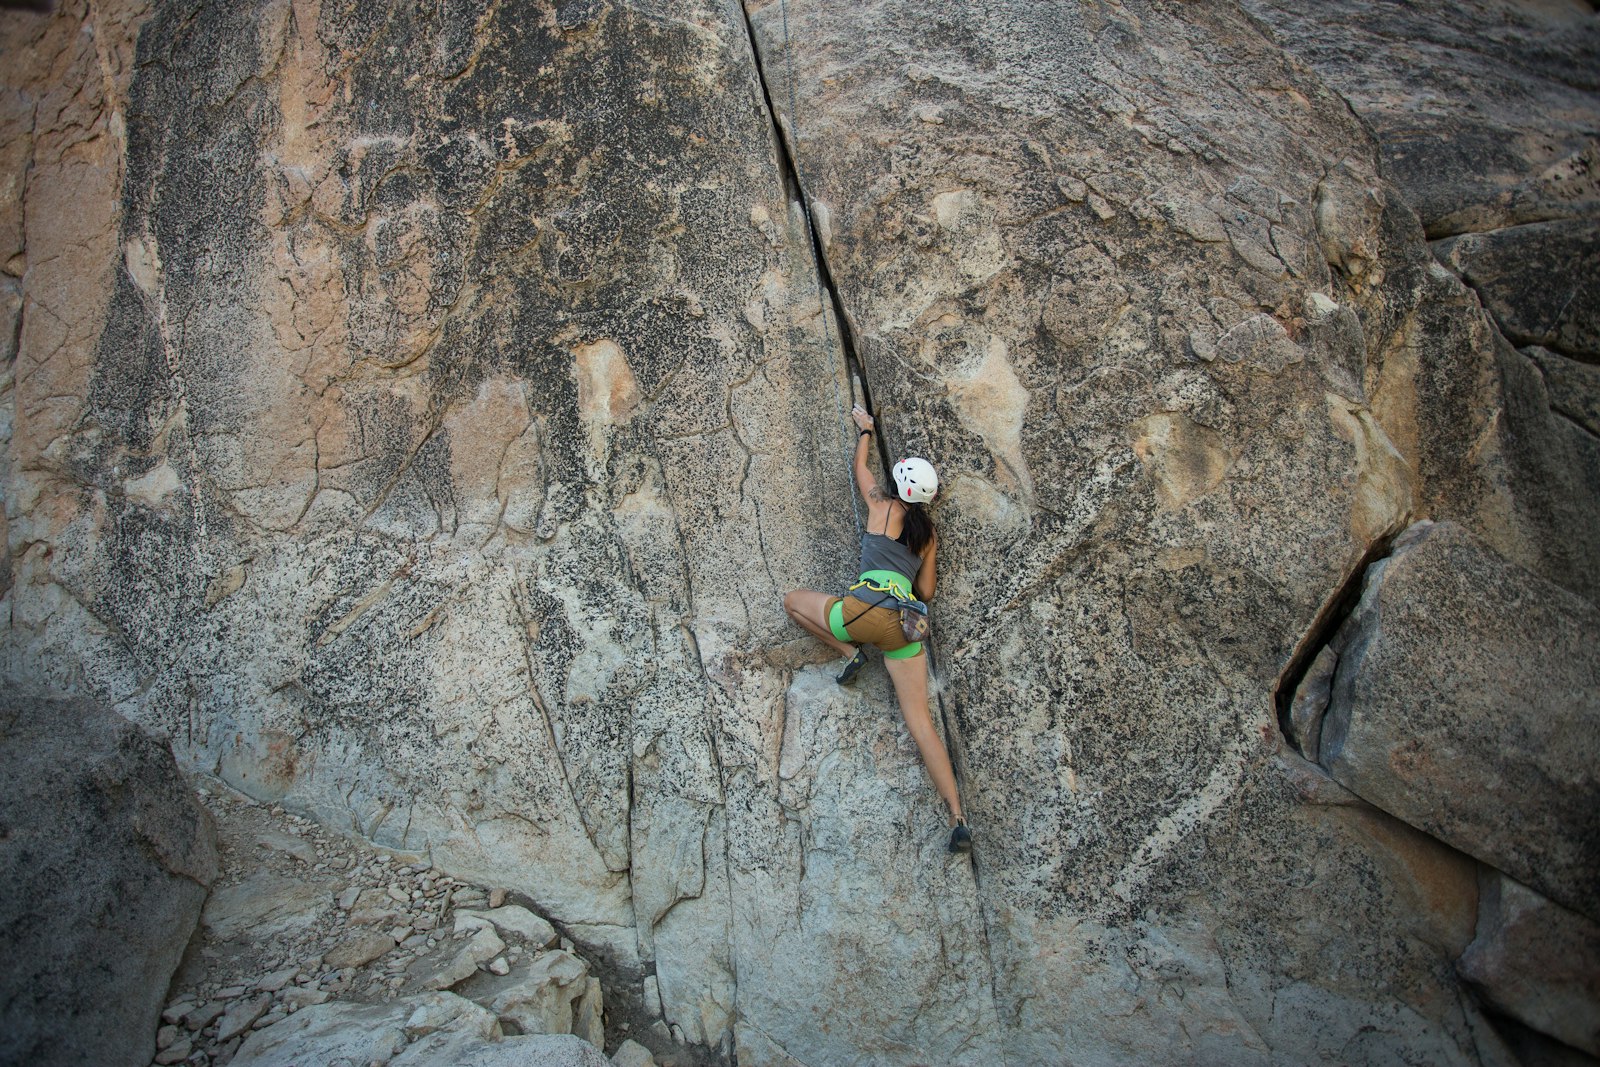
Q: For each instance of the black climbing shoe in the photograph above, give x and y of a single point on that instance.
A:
(853, 668)
(960, 837)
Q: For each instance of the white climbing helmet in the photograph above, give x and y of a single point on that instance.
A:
(916, 480)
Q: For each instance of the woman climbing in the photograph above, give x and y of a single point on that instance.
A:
(896, 560)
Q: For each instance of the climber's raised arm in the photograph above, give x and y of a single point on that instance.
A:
(864, 426)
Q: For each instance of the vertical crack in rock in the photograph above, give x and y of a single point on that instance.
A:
(1314, 661)
(14, 341)
(435, 422)
(794, 185)
(714, 723)
(549, 725)
(850, 345)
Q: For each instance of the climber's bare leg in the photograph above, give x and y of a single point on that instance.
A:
(809, 608)
(910, 677)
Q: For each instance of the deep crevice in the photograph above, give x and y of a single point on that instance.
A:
(14, 342)
(1323, 629)
(1442, 229)
(795, 189)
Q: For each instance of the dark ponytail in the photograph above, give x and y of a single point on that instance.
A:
(918, 529)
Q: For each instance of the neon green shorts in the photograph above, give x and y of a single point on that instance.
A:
(870, 625)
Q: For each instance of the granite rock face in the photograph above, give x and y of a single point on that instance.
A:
(105, 857)
(1189, 363)
(1484, 110)
(1485, 115)
(420, 410)
(413, 418)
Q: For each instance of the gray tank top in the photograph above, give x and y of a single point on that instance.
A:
(880, 552)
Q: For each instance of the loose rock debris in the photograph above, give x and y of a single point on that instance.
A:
(301, 917)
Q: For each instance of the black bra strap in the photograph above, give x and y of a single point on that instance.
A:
(886, 516)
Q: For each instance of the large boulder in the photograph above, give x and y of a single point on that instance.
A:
(523, 1050)
(105, 857)
(1466, 701)
(540, 1000)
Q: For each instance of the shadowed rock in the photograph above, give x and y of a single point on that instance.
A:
(105, 856)
(1537, 961)
(1485, 109)
(1538, 281)
(420, 411)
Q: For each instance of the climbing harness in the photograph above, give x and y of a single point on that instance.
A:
(913, 612)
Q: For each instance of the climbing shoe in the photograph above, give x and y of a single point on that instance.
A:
(853, 668)
(960, 837)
